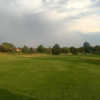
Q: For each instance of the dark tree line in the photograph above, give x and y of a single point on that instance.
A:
(55, 50)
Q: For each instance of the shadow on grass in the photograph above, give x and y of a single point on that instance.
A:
(7, 95)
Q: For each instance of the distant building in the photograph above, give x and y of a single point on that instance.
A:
(18, 50)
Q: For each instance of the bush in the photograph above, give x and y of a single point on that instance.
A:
(73, 50)
(7, 47)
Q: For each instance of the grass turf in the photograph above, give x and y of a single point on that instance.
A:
(49, 77)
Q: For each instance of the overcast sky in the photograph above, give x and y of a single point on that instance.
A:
(34, 22)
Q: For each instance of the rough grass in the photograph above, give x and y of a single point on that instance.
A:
(49, 77)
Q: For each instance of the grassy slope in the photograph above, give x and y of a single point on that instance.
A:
(49, 77)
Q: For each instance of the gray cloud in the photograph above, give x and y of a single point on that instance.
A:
(47, 26)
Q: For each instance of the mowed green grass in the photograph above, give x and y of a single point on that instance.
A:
(49, 77)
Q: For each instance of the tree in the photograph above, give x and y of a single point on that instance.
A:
(87, 47)
(80, 50)
(96, 50)
(25, 49)
(32, 50)
(73, 50)
(65, 50)
(48, 50)
(56, 50)
(0, 48)
(7, 47)
(41, 49)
